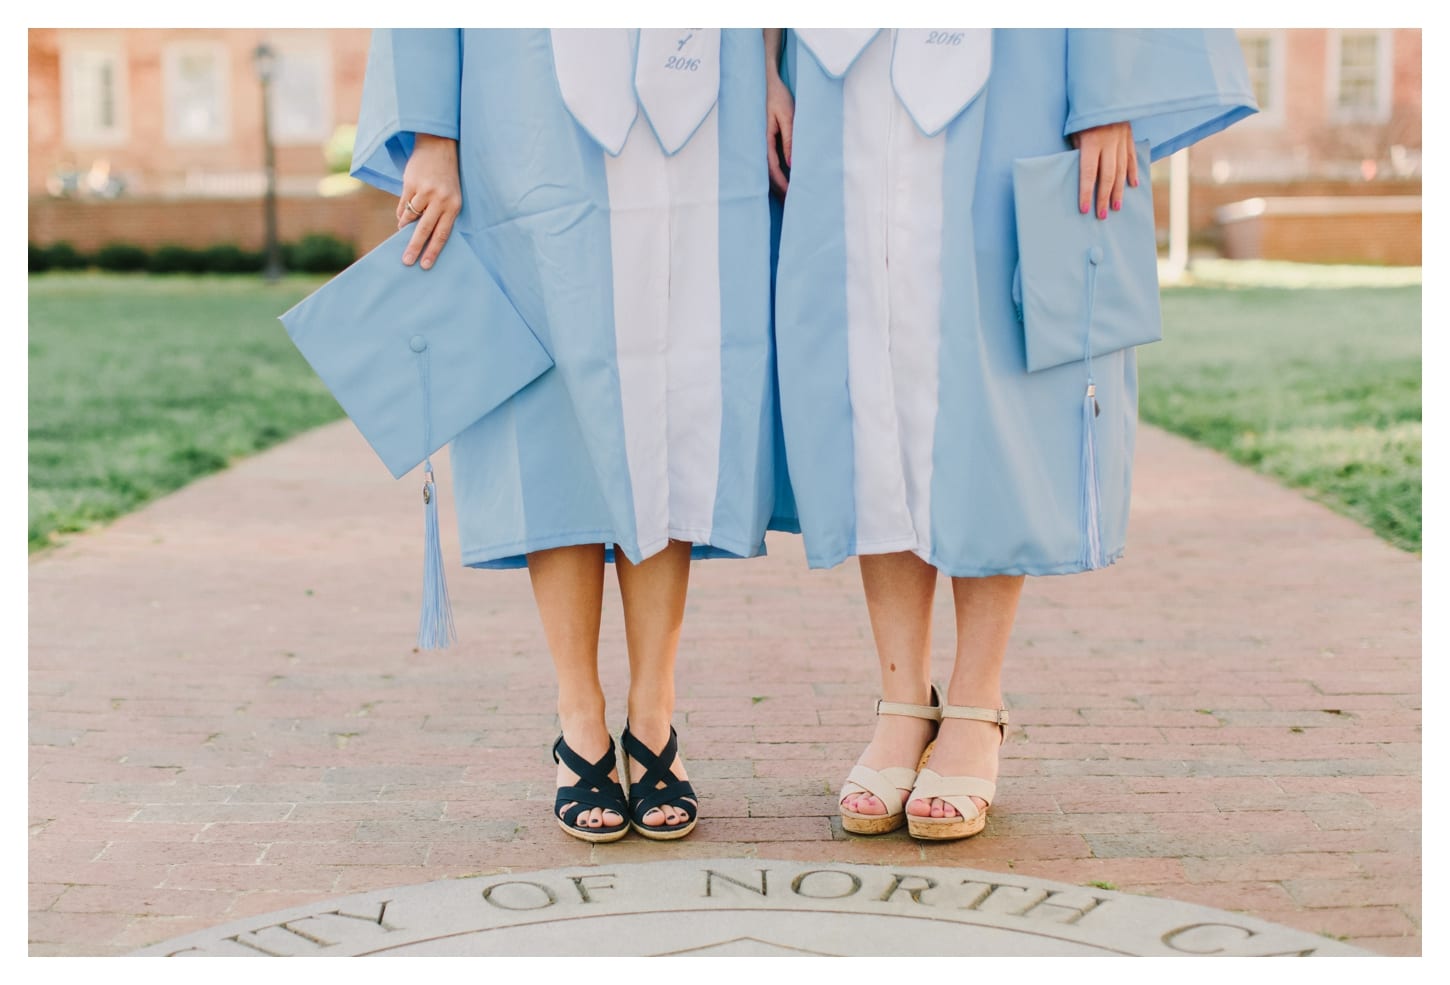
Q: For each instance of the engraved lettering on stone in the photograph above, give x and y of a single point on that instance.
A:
(312, 938)
(313, 941)
(1003, 899)
(987, 889)
(711, 875)
(1211, 934)
(226, 947)
(256, 947)
(1225, 938)
(542, 902)
(898, 882)
(382, 912)
(798, 884)
(1061, 912)
(992, 915)
(584, 894)
(268, 939)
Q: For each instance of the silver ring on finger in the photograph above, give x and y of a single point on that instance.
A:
(409, 206)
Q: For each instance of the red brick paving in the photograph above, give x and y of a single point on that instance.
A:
(228, 717)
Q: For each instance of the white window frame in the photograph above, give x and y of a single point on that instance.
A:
(1384, 79)
(171, 68)
(75, 57)
(285, 49)
(1273, 114)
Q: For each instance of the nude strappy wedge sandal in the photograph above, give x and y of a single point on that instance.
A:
(886, 785)
(956, 790)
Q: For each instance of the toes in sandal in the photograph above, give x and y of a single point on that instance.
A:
(956, 790)
(593, 789)
(887, 785)
(656, 787)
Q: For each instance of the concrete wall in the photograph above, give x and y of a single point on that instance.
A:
(1324, 230)
(1355, 233)
(1205, 198)
(364, 218)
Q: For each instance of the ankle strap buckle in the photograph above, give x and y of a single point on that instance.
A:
(996, 716)
(930, 712)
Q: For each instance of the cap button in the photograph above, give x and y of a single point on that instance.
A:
(1095, 255)
(417, 343)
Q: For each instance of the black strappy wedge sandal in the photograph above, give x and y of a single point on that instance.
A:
(657, 787)
(593, 789)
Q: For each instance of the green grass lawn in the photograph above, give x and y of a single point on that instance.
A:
(139, 385)
(1317, 386)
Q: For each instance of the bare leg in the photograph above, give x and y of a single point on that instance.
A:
(986, 609)
(653, 593)
(569, 591)
(899, 592)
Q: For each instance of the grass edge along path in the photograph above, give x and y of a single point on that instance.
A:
(1317, 386)
(141, 384)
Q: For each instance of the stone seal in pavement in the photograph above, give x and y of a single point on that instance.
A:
(751, 907)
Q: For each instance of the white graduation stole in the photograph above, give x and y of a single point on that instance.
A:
(936, 73)
(595, 68)
(675, 78)
(836, 48)
(678, 80)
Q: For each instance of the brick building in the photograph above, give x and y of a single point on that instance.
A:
(178, 113)
(1340, 117)
(154, 136)
(166, 124)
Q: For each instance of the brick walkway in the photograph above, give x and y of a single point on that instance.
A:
(227, 717)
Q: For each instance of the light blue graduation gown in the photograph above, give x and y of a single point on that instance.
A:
(643, 270)
(910, 420)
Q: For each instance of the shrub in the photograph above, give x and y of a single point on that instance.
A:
(61, 256)
(318, 253)
(226, 258)
(121, 256)
(174, 259)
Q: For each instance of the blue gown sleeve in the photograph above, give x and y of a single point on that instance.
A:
(412, 86)
(1176, 86)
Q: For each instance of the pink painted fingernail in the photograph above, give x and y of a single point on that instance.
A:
(1118, 205)
(1102, 213)
(1084, 208)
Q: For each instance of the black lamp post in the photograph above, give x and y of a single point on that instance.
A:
(264, 60)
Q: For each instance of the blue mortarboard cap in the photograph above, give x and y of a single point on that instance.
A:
(415, 357)
(1085, 287)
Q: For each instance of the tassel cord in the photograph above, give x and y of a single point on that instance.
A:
(435, 622)
(1091, 495)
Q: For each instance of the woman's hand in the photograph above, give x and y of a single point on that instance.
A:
(1108, 159)
(779, 114)
(431, 196)
(779, 124)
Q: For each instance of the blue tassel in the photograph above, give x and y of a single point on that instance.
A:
(1091, 513)
(435, 625)
(1090, 510)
